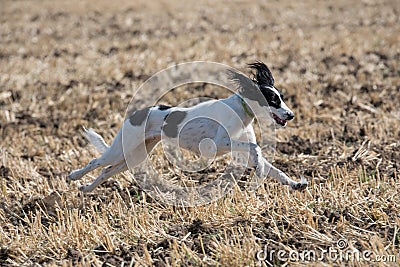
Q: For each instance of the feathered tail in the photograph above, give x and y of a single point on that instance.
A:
(95, 139)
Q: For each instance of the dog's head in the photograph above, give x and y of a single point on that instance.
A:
(278, 110)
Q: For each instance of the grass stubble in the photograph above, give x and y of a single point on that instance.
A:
(68, 65)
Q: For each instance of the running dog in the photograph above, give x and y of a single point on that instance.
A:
(211, 128)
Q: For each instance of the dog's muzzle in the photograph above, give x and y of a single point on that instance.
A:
(282, 122)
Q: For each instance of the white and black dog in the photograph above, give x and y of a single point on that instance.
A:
(189, 127)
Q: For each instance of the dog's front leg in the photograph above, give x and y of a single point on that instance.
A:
(265, 168)
(281, 177)
(257, 161)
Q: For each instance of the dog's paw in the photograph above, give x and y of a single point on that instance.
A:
(300, 186)
(74, 175)
(85, 188)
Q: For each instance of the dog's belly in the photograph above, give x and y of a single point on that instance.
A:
(196, 130)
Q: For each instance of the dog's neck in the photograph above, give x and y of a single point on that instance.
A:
(239, 104)
(247, 109)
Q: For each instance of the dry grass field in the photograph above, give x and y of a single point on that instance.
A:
(68, 64)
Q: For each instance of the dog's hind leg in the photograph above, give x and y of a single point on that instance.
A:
(132, 159)
(79, 173)
(96, 140)
(108, 158)
(105, 174)
(111, 155)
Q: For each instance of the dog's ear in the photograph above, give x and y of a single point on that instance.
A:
(263, 75)
(241, 81)
(247, 87)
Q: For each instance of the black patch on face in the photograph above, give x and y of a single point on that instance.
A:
(138, 117)
(163, 107)
(264, 97)
(172, 121)
(271, 97)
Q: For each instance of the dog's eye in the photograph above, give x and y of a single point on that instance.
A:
(271, 97)
(274, 100)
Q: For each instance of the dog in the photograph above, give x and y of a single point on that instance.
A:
(210, 128)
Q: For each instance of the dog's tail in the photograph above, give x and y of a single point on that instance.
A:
(95, 139)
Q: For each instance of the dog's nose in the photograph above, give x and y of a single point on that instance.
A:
(290, 116)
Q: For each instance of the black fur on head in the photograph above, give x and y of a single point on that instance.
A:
(263, 75)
